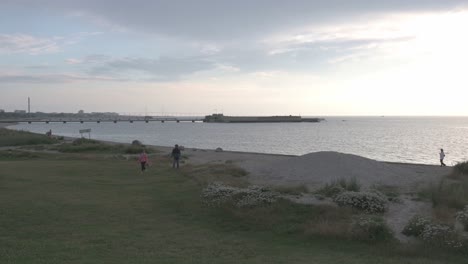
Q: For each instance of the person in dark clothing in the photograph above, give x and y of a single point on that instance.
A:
(442, 156)
(176, 156)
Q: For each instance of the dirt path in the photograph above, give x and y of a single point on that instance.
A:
(399, 214)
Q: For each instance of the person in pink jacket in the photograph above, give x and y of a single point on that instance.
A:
(143, 159)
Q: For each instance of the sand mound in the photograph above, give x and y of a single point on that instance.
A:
(323, 167)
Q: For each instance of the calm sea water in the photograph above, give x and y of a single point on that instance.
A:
(398, 139)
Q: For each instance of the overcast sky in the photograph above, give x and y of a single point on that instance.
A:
(256, 57)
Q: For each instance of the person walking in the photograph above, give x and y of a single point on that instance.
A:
(442, 156)
(143, 159)
(176, 156)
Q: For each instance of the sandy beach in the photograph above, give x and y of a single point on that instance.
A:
(318, 168)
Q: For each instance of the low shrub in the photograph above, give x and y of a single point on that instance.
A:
(450, 193)
(217, 194)
(84, 145)
(391, 192)
(136, 143)
(292, 190)
(134, 149)
(84, 141)
(462, 217)
(255, 196)
(90, 145)
(416, 226)
(434, 233)
(330, 190)
(461, 168)
(371, 202)
(338, 186)
(370, 228)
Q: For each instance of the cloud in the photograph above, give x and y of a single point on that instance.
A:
(227, 19)
(22, 43)
(397, 36)
(90, 59)
(51, 78)
(25, 43)
(161, 69)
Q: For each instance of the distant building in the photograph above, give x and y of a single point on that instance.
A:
(20, 112)
(2, 111)
(81, 112)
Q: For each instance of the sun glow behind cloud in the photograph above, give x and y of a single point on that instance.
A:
(396, 64)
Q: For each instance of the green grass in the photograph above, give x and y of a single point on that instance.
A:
(87, 209)
(20, 138)
(83, 145)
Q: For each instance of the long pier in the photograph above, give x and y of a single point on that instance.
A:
(214, 118)
(105, 120)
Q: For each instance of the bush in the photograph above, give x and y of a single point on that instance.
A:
(292, 190)
(84, 141)
(371, 228)
(134, 149)
(434, 233)
(217, 194)
(462, 216)
(136, 143)
(84, 145)
(437, 234)
(371, 202)
(416, 226)
(450, 193)
(338, 186)
(461, 168)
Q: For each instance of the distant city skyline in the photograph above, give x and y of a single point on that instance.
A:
(307, 57)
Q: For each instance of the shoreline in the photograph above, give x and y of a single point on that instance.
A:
(233, 152)
(6, 125)
(310, 169)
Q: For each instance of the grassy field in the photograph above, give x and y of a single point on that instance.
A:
(86, 206)
(76, 208)
(19, 138)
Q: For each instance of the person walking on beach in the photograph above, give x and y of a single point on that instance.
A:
(176, 156)
(442, 156)
(143, 159)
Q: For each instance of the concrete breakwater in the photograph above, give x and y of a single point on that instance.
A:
(220, 118)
